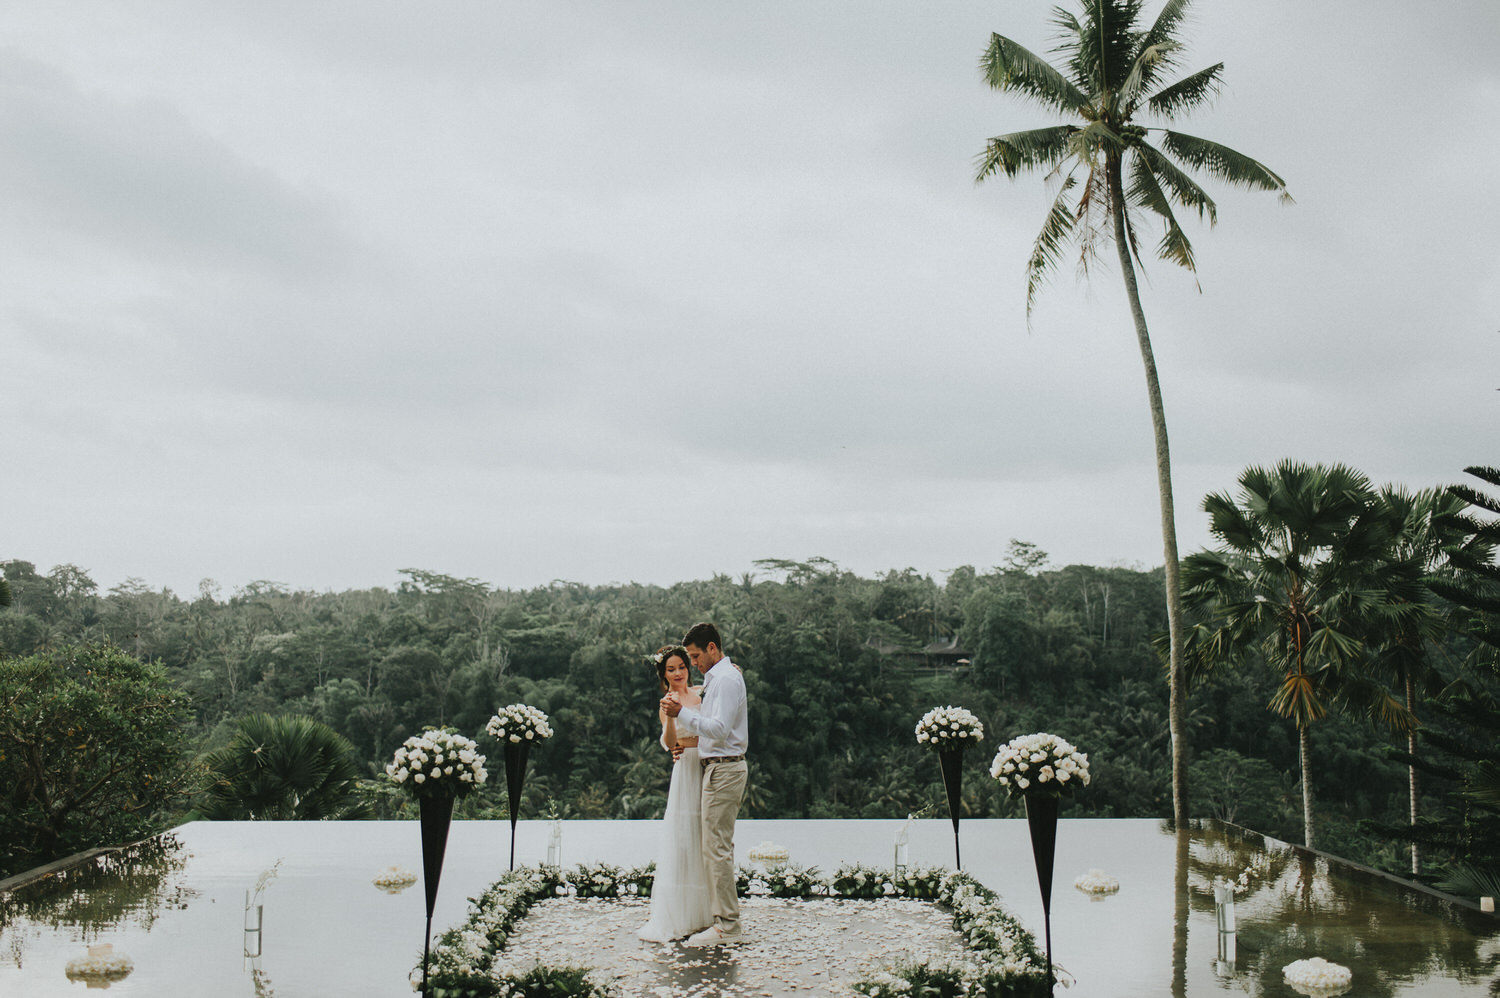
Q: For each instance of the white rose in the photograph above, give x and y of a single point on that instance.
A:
(515, 738)
(419, 778)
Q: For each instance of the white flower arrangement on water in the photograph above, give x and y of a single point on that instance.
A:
(102, 963)
(1316, 976)
(768, 852)
(394, 879)
(437, 763)
(518, 723)
(949, 728)
(1096, 882)
(1039, 765)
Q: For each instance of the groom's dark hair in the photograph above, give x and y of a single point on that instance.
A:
(702, 635)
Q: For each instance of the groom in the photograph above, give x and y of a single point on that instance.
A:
(723, 731)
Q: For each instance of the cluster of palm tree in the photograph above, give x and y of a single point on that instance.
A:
(1345, 589)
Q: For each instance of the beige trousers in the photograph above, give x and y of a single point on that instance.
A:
(723, 790)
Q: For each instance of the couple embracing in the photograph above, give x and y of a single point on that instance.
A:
(707, 731)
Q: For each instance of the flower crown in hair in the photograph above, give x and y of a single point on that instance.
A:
(657, 658)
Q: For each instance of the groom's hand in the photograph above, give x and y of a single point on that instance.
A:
(677, 751)
(670, 705)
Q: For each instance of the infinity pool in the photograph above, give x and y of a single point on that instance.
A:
(177, 908)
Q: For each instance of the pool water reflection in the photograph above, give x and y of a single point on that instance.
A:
(179, 911)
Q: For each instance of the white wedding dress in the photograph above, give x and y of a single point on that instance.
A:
(679, 896)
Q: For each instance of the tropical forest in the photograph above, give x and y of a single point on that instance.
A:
(1342, 649)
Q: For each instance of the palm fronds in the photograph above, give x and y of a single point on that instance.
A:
(1027, 150)
(1006, 65)
(1188, 93)
(1234, 168)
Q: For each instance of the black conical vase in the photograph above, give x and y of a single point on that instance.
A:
(1041, 818)
(515, 778)
(952, 763)
(437, 815)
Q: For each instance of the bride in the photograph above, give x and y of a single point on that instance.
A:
(679, 896)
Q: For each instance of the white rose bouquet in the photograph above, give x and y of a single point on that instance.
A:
(437, 763)
(949, 728)
(519, 723)
(1040, 765)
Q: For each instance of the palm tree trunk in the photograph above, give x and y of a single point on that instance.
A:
(1176, 679)
(1411, 772)
(1304, 748)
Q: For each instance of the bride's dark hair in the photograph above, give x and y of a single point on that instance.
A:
(663, 654)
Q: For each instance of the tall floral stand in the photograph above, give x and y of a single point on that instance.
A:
(437, 816)
(952, 763)
(515, 777)
(1041, 819)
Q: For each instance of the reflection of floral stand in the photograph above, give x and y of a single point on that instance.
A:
(515, 778)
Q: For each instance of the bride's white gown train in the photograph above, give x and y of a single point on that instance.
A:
(679, 895)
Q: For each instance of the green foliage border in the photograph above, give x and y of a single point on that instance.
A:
(463, 957)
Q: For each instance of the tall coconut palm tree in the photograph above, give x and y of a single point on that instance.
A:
(1294, 577)
(1110, 177)
(283, 769)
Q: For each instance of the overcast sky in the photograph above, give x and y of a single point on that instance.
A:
(608, 292)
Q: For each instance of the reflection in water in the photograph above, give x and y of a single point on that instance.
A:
(1180, 909)
(1157, 937)
(100, 968)
(1291, 906)
(132, 885)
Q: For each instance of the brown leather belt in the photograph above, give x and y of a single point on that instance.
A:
(705, 763)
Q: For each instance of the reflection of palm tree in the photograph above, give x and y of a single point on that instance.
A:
(1115, 76)
(283, 768)
(1181, 898)
(132, 885)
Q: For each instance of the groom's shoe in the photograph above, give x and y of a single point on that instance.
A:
(711, 936)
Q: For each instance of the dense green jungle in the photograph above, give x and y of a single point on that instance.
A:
(838, 667)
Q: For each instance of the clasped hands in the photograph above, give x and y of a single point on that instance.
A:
(671, 706)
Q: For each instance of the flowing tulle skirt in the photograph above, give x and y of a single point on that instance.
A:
(679, 896)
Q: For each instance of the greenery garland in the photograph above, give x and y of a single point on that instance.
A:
(1002, 958)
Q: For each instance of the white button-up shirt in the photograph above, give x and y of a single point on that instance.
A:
(722, 721)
